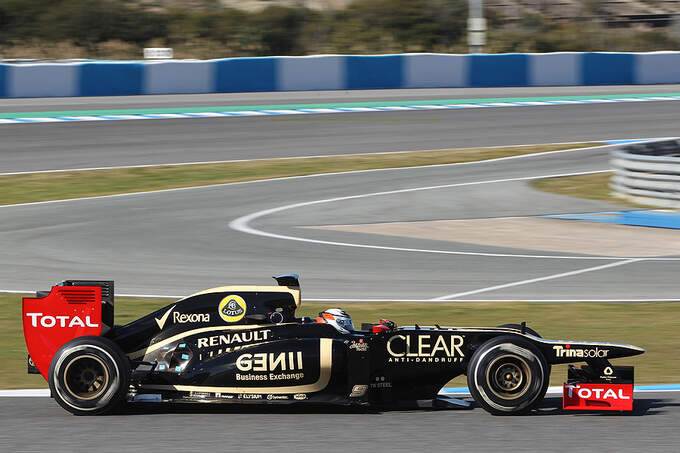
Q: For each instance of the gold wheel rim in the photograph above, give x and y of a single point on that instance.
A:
(508, 377)
(86, 377)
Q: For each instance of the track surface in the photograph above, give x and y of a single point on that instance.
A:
(175, 242)
(178, 241)
(311, 97)
(39, 425)
(31, 147)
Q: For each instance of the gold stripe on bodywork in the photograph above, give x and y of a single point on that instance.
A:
(325, 363)
(179, 336)
(435, 329)
(251, 289)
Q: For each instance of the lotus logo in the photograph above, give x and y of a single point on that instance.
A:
(232, 308)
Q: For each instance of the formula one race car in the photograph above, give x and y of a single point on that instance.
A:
(243, 344)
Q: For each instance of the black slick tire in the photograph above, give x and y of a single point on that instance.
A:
(89, 376)
(508, 375)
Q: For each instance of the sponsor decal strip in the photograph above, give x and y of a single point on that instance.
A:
(326, 361)
(561, 343)
(425, 348)
(556, 390)
(160, 344)
(433, 105)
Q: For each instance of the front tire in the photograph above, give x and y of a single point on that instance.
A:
(508, 375)
(89, 376)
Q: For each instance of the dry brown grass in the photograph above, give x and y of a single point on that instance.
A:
(74, 184)
(592, 187)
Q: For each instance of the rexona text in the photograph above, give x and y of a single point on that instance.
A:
(60, 321)
(181, 318)
(561, 351)
(425, 348)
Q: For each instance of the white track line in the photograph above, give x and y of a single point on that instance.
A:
(22, 393)
(179, 164)
(316, 156)
(316, 175)
(539, 279)
(242, 224)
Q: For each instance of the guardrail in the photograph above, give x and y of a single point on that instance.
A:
(335, 72)
(648, 173)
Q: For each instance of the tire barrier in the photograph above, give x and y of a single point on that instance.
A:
(334, 72)
(648, 173)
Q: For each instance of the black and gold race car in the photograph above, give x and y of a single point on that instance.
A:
(244, 344)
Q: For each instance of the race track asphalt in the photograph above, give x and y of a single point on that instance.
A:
(40, 425)
(50, 146)
(176, 242)
(313, 97)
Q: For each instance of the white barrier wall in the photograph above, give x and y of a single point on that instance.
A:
(435, 71)
(41, 80)
(311, 73)
(660, 67)
(550, 69)
(167, 77)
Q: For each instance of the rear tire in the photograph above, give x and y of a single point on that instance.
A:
(89, 376)
(508, 375)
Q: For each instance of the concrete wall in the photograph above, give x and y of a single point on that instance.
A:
(336, 72)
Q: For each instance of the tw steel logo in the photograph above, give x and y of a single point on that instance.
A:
(601, 394)
(49, 321)
(425, 348)
(561, 351)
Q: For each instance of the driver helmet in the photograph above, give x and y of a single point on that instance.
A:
(337, 318)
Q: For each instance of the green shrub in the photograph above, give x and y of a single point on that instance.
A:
(120, 28)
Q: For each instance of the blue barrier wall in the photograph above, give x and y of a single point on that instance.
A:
(110, 78)
(498, 70)
(608, 68)
(245, 74)
(373, 71)
(336, 72)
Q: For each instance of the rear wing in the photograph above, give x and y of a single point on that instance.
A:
(71, 309)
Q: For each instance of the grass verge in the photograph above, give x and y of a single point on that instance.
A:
(625, 323)
(26, 188)
(592, 187)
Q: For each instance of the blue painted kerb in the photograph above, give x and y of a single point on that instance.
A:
(637, 388)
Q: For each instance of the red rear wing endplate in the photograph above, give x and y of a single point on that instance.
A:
(67, 312)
